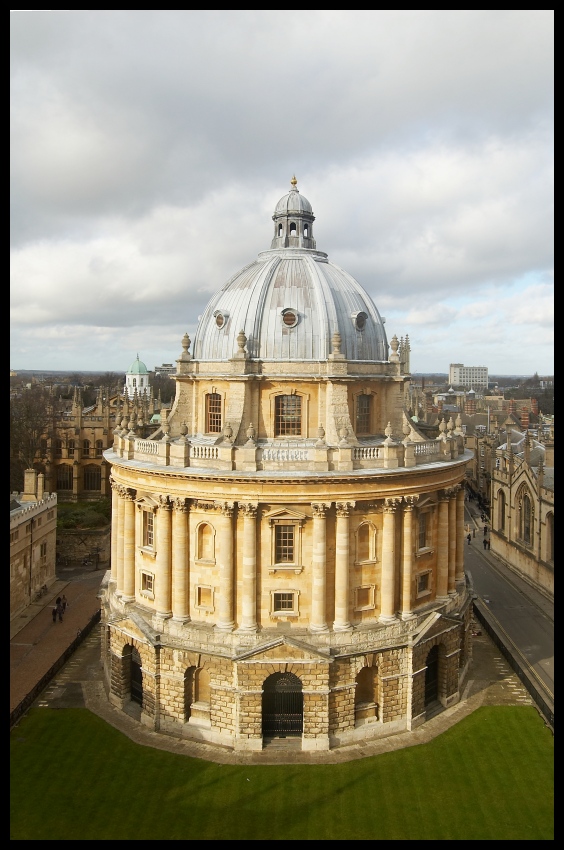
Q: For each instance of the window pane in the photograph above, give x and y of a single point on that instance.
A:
(213, 413)
(288, 416)
(284, 544)
(363, 414)
(283, 601)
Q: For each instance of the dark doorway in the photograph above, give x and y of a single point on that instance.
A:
(432, 676)
(282, 706)
(136, 678)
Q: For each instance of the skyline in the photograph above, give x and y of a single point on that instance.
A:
(149, 149)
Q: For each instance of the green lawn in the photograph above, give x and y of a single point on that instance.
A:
(490, 777)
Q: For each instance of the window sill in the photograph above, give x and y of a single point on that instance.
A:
(151, 553)
(276, 614)
(288, 568)
(147, 594)
(423, 593)
(427, 550)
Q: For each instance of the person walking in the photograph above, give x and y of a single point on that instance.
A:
(64, 603)
(489, 543)
(485, 530)
(485, 543)
(54, 612)
(60, 611)
(469, 538)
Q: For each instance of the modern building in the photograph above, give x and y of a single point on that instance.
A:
(287, 548)
(460, 375)
(33, 541)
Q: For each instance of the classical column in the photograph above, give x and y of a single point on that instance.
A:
(225, 620)
(408, 547)
(452, 536)
(318, 622)
(120, 492)
(387, 607)
(129, 547)
(180, 600)
(442, 549)
(342, 556)
(113, 555)
(460, 535)
(249, 602)
(163, 578)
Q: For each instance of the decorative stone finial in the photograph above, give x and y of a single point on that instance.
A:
(343, 434)
(186, 341)
(388, 431)
(320, 436)
(406, 428)
(251, 434)
(294, 182)
(228, 434)
(394, 345)
(241, 341)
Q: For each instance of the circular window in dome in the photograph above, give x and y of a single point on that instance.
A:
(290, 317)
(360, 321)
(220, 318)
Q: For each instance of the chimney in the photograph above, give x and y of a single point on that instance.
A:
(525, 418)
(40, 486)
(512, 406)
(30, 486)
(535, 406)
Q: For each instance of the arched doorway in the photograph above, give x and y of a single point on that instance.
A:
(282, 706)
(432, 676)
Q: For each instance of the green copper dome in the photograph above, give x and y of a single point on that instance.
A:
(138, 368)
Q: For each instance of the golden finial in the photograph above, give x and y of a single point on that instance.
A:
(293, 181)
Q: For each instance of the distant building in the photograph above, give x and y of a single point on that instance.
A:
(165, 369)
(33, 540)
(467, 376)
(137, 380)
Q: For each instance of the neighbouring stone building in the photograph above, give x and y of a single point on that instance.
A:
(288, 548)
(33, 540)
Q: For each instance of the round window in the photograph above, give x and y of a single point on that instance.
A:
(360, 321)
(290, 318)
(219, 320)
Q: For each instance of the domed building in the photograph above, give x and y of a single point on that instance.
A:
(137, 380)
(287, 548)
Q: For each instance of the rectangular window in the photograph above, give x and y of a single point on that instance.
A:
(43, 550)
(284, 539)
(363, 414)
(204, 597)
(147, 584)
(288, 416)
(283, 602)
(14, 536)
(50, 514)
(422, 531)
(148, 529)
(213, 413)
(424, 584)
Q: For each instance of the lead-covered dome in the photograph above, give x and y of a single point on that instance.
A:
(138, 368)
(290, 301)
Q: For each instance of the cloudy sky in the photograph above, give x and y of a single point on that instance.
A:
(149, 149)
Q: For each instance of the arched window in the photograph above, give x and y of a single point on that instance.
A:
(306, 231)
(72, 447)
(213, 413)
(202, 685)
(58, 448)
(279, 230)
(293, 228)
(366, 542)
(288, 416)
(86, 448)
(527, 516)
(99, 448)
(64, 477)
(501, 511)
(363, 410)
(206, 543)
(92, 477)
(549, 548)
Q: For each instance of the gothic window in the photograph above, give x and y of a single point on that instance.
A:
(99, 448)
(58, 448)
(86, 448)
(92, 477)
(213, 413)
(527, 531)
(71, 448)
(363, 410)
(288, 416)
(501, 512)
(64, 477)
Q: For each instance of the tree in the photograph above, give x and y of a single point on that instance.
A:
(31, 421)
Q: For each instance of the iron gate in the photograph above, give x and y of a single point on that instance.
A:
(282, 706)
(432, 676)
(136, 683)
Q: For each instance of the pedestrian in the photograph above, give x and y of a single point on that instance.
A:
(60, 611)
(469, 538)
(485, 530)
(54, 612)
(485, 543)
(64, 603)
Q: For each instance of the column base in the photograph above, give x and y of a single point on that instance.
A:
(387, 619)
(408, 615)
(342, 627)
(442, 599)
(181, 620)
(246, 630)
(224, 627)
(318, 629)
(125, 598)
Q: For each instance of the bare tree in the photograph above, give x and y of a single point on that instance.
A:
(31, 421)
